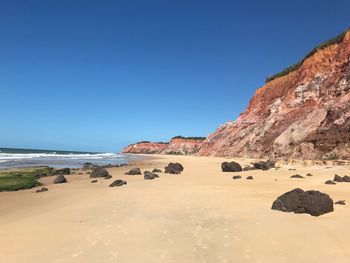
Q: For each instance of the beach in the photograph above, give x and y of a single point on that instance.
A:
(200, 215)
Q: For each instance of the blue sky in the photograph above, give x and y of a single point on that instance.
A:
(98, 75)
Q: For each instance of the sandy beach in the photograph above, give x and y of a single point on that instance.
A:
(201, 215)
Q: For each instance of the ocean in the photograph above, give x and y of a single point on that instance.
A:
(13, 158)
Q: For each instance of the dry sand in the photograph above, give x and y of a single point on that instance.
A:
(201, 215)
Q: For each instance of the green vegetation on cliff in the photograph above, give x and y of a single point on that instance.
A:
(293, 67)
(189, 138)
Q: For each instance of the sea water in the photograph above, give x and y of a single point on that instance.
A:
(12, 158)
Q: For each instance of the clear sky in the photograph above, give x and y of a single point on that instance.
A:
(98, 75)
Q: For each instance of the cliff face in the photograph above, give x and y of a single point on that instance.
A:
(305, 114)
(145, 148)
(182, 146)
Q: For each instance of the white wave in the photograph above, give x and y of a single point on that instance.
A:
(16, 156)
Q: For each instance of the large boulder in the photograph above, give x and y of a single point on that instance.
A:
(174, 168)
(231, 167)
(99, 172)
(117, 183)
(134, 171)
(298, 201)
(60, 179)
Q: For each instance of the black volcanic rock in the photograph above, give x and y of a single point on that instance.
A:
(344, 179)
(149, 176)
(134, 171)
(99, 172)
(297, 176)
(262, 165)
(298, 201)
(340, 202)
(60, 179)
(117, 183)
(231, 167)
(235, 177)
(42, 189)
(174, 168)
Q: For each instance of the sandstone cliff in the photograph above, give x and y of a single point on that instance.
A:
(304, 114)
(146, 148)
(177, 145)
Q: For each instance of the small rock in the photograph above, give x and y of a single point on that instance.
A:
(149, 176)
(42, 189)
(340, 202)
(94, 181)
(309, 174)
(297, 176)
(134, 171)
(231, 167)
(62, 171)
(291, 169)
(235, 177)
(117, 183)
(329, 182)
(250, 177)
(155, 170)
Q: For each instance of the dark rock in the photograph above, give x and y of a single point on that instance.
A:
(235, 177)
(298, 201)
(155, 170)
(108, 176)
(248, 168)
(291, 169)
(329, 182)
(297, 176)
(42, 189)
(174, 168)
(250, 177)
(149, 176)
(62, 171)
(340, 179)
(340, 202)
(117, 183)
(99, 172)
(60, 179)
(134, 171)
(309, 174)
(262, 165)
(231, 167)
(94, 181)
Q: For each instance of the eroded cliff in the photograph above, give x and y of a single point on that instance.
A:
(177, 145)
(304, 114)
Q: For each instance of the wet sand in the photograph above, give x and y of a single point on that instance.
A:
(201, 215)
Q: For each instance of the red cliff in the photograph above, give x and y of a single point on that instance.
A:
(178, 145)
(146, 148)
(304, 113)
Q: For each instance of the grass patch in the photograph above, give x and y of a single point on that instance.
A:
(22, 179)
(293, 67)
